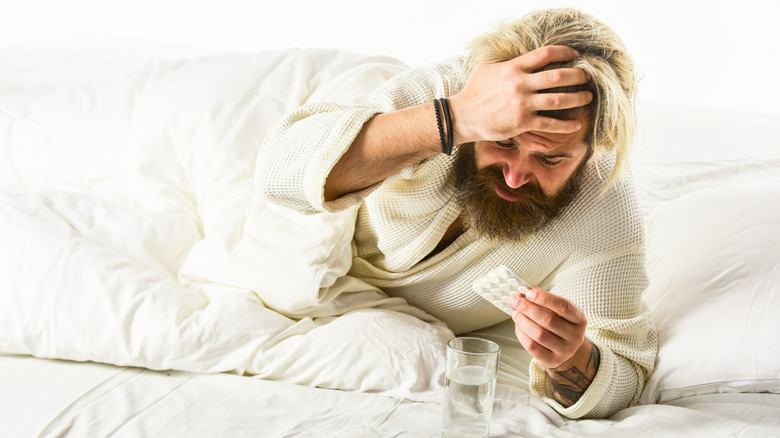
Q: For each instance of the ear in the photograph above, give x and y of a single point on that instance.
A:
(592, 151)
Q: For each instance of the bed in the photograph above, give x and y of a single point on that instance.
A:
(141, 292)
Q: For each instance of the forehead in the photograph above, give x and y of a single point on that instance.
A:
(572, 144)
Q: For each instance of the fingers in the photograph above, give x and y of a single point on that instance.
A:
(549, 124)
(543, 355)
(553, 101)
(550, 327)
(549, 350)
(559, 77)
(536, 59)
(536, 320)
(536, 333)
(550, 101)
(557, 304)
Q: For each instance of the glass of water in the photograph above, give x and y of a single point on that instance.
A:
(472, 364)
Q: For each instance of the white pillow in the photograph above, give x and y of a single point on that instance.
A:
(714, 268)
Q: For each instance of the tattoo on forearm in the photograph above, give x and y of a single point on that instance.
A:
(569, 384)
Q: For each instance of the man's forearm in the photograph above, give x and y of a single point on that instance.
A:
(387, 143)
(570, 380)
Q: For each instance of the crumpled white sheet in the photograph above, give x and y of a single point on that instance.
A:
(130, 233)
(102, 400)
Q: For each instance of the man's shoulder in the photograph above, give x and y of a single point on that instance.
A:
(610, 217)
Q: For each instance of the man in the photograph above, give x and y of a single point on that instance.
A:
(540, 111)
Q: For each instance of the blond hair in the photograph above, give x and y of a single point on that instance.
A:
(603, 57)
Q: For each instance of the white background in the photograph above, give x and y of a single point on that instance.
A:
(721, 55)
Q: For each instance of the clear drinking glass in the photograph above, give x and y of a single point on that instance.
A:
(469, 386)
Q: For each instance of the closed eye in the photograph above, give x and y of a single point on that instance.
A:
(549, 162)
(507, 144)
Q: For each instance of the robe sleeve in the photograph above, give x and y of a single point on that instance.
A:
(300, 150)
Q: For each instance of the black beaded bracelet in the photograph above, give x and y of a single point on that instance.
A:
(440, 125)
(446, 137)
(448, 120)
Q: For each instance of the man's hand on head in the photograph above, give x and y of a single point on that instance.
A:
(501, 100)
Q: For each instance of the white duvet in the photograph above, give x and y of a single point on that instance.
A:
(130, 233)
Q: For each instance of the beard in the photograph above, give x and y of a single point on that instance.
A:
(496, 218)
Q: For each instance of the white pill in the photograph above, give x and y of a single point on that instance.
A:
(512, 282)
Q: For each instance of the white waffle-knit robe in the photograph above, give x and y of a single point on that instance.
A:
(593, 254)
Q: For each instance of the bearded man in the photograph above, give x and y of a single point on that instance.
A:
(510, 156)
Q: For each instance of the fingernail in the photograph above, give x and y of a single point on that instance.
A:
(513, 300)
(579, 126)
(531, 294)
(590, 96)
(576, 53)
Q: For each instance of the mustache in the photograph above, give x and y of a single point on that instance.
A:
(495, 174)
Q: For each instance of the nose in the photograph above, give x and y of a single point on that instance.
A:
(516, 174)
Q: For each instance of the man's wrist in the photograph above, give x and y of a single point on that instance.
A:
(460, 130)
(571, 379)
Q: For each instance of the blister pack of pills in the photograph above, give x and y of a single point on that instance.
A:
(498, 285)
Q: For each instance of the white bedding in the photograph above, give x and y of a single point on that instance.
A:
(98, 400)
(130, 235)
